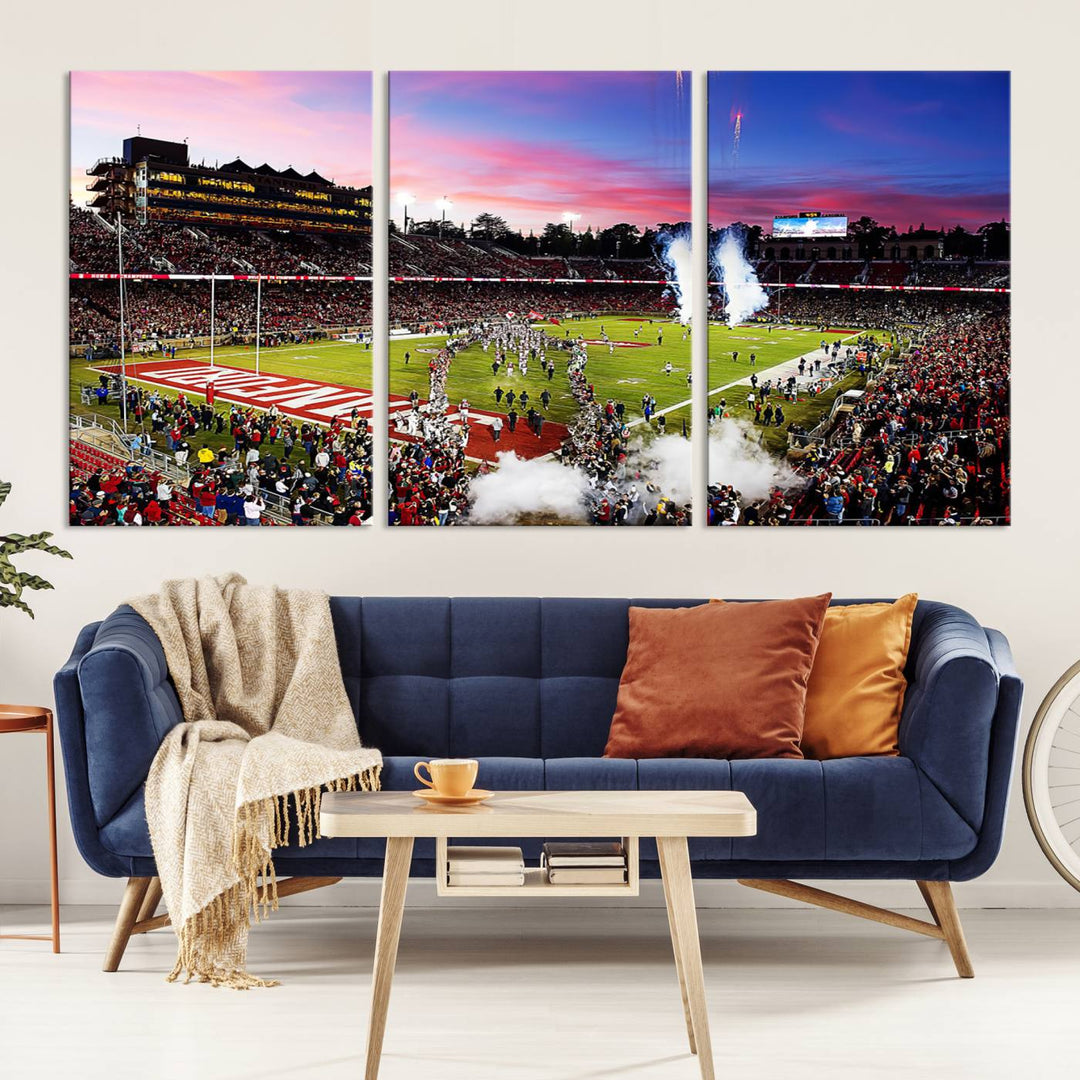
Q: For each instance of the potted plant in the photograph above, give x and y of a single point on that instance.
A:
(12, 580)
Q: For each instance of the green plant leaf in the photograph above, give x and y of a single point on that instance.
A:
(12, 580)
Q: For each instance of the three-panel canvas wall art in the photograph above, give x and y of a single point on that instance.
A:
(541, 298)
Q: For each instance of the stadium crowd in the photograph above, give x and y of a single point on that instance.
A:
(418, 304)
(272, 468)
(857, 309)
(928, 442)
(179, 248)
(180, 310)
(185, 249)
(424, 256)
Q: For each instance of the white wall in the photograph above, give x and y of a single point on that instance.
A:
(1022, 579)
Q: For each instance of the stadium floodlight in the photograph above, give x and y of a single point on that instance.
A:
(443, 205)
(406, 199)
(570, 217)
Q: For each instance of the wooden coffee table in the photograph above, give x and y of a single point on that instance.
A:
(669, 816)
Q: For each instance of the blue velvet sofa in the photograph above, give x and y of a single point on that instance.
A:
(528, 686)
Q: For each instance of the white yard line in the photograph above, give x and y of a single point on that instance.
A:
(761, 374)
(785, 368)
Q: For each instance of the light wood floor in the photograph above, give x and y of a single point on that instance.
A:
(568, 993)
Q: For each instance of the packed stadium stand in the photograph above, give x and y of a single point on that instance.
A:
(95, 471)
(834, 273)
(180, 310)
(446, 303)
(170, 247)
(636, 268)
(963, 273)
(429, 256)
(782, 273)
(888, 273)
(927, 443)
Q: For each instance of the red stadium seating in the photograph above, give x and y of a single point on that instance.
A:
(85, 460)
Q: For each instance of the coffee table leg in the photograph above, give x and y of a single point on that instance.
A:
(677, 950)
(391, 908)
(679, 887)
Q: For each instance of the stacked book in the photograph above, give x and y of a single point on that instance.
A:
(591, 863)
(485, 866)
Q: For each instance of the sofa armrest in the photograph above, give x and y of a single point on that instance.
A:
(950, 705)
(69, 726)
(128, 704)
(1003, 742)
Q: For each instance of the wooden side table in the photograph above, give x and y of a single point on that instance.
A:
(34, 718)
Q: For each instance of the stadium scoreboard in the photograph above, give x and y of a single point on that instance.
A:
(810, 224)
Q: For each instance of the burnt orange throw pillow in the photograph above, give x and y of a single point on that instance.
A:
(718, 680)
(856, 691)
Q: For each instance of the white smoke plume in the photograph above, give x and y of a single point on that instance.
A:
(673, 248)
(738, 459)
(520, 487)
(666, 462)
(743, 294)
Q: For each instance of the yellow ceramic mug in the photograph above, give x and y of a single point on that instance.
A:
(449, 776)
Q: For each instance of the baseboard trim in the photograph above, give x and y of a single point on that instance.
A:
(364, 893)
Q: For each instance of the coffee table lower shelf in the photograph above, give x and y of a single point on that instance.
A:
(536, 882)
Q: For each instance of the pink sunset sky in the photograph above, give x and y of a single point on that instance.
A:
(611, 146)
(307, 119)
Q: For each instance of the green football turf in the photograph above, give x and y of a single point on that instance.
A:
(626, 375)
(782, 344)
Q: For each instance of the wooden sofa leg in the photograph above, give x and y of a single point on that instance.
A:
(150, 902)
(134, 894)
(937, 894)
(939, 899)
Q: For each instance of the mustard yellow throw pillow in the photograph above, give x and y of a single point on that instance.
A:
(856, 690)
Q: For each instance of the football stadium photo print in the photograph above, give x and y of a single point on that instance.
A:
(539, 356)
(220, 298)
(859, 281)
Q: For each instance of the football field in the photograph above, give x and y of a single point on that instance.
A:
(342, 363)
(772, 345)
(634, 369)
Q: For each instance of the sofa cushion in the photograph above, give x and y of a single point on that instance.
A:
(478, 677)
(590, 774)
(848, 809)
(719, 681)
(129, 707)
(687, 774)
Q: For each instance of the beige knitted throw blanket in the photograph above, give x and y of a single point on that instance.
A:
(267, 725)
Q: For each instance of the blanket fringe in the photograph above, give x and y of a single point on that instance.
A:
(213, 942)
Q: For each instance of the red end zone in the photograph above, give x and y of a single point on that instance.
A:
(321, 402)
